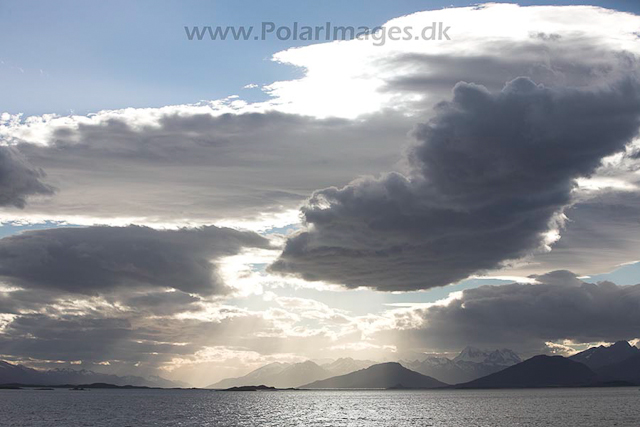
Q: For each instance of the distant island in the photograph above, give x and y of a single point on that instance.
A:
(251, 388)
(17, 386)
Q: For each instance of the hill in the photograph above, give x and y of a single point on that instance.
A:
(380, 376)
(19, 374)
(627, 370)
(597, 357)
(539, 371)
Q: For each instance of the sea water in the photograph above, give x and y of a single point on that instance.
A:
(465, 408)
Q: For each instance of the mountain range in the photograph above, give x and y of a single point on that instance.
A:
(470, 364)
(286, 375)
(617, 364)
(19, 374)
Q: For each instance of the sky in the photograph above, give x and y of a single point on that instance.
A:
(196, 209)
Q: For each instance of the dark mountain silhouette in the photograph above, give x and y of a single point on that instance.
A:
(18, 374)
(597, 357)
(539, 371)
(383, 375)
(627, 370)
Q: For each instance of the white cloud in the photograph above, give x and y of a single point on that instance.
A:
(355, 72)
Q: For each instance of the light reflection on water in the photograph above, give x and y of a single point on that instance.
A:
(464, 408)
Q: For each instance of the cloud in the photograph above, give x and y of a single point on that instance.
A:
(19, 179)
(599, 235)
(156, 300)
(574, 61)
(124, 338)
(525, 316)
(233, 160)
(163, 303)
(137, 340)
(197, 167)
(600, 230)
(491, 44)
(489, 175)
(230, 160)
(97, 259)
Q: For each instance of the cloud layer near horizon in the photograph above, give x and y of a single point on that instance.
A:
(208, 341)
(527, 316)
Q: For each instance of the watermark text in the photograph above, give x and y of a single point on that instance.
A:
(328, 32)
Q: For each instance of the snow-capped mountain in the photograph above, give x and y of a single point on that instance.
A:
(470, 364)
(471, 354)
(346, 365)
(504, 357)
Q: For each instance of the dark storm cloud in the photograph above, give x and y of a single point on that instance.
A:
(93, 260)
(65, 338)
(525, 316)
(602, 232)
(26, 300)
(19, 179)
(163, 303)
(488, 174)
